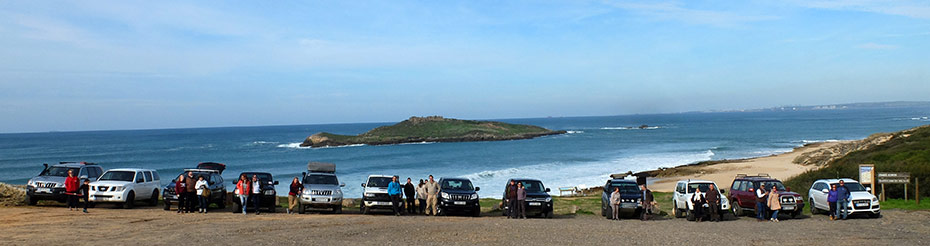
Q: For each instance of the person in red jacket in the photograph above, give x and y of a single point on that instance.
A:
(72, 185)
(180, 188)
(243, 187)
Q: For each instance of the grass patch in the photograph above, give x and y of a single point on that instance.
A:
(906, 205)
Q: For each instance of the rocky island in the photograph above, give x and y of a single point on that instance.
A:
(432, 129)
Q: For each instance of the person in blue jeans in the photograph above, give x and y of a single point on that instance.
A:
(395, 191)
(761, 200)
(831, 199)
(842, 201)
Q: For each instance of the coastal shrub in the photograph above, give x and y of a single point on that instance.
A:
(906, 151)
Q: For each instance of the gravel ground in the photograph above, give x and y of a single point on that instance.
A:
(152, 226)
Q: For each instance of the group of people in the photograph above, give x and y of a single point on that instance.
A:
(838, 197)
(75, 190)
(516, 196)
(250, 190)
(711, 198)
(767, 201)
(193, 193)
(647, 202)
(426, 193)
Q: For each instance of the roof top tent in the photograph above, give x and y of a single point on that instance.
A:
(321, 167)
(212, 166)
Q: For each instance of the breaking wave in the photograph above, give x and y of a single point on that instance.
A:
(630, 128)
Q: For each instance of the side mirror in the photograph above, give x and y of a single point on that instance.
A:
(547, 190)
(477, 188)
(342, 184)
(275, 183)
(868, 189)
(363, 184)
(825, 191)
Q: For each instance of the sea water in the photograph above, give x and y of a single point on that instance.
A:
(593, 148)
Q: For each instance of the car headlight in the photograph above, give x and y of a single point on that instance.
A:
(474, 197)
(445, 195)
(307, 192)
(269, 192)
(59, 185)
(118, 188)
(369, 194)
(874, 199)
(31, 183)
(548, 199)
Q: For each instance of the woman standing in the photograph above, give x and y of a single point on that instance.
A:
(179, 188)
(698, 201)
(831, 199)
(773, 203)
(296, 188)
(615, 204)
(521, 201)
(243, 187)
(203, 189)
(421, 196)
(72, 185)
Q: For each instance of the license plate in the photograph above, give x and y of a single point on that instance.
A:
(535, 204)
(458, 203)
(322, 199)
(862, 204)
(383, 203)
(627, 205)
(43, 190)
(787, 207)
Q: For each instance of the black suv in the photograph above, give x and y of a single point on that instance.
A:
(631, 198)
(269, 197)
(50, 183)
(538, 201)
(457, 195)
(217, 188)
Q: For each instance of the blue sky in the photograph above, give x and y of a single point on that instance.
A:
(88, 65)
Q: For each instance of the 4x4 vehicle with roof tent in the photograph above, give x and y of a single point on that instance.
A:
(322, 188)
(50, 183)
(631, 197)
(269, 197)
(126, 186)
(214, 180)
(743, 194)
(538, 201)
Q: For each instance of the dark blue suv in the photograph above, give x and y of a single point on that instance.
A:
(457, 195)
(631, 198)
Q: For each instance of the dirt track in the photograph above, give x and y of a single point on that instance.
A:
(153, 226)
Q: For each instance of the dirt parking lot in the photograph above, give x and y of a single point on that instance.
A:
(154, 226)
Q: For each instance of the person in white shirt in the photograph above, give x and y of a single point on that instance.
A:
(698, 201)
(761, 200)
(256, 194)
(201, 186)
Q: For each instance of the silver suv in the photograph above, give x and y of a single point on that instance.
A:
(50, 183)
(322, 188)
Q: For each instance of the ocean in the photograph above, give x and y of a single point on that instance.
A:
(594, 147)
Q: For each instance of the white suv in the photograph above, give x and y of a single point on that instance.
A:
(860, 200)
(125, 186)
(681, 200)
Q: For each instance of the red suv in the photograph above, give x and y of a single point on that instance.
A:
(743, 195)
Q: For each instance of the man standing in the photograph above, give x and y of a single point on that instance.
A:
(648, 202)
(511, 200)
(615, 204)
(190, 186)
(842, 201)
(761, 199)
(411, 193)
(713, 201)
(256, 194)
(395, 191)
(432, 195)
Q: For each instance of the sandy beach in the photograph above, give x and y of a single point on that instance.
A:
(779, 166)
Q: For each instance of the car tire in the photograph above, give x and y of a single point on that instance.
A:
(737, 210)
(302, 209)
(31, 201)
(608, 211)
(167, 205)
(814, 209)
(875, 215)
(676, 212)
(439, 211)
(238, 208)
(222, 203)
(130, 200)
(796, 214)
(92, 205)
(690, 215)
(154, 199)
(337, 209)
(476, 213)
(362, 208)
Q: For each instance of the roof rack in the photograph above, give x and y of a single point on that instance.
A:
(76, 162)
(760, 175)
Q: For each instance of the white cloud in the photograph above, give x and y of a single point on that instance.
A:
(675, 11)
(875, 46)
(913, 9)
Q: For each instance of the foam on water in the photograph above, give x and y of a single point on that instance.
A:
(629, 128)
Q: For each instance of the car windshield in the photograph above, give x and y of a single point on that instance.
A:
(263, 177)
(703, 186)
(118, 176)
(378, 182)
(321, 179)
(625, 187)
(453, 184)
(533, 187)
(59, 171)
(778, 185)
(851, 186)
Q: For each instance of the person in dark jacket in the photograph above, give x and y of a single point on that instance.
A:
(697, 204)
(831, 199)
(521, 201)
(256, 195)
(511, 200)
(85, 194)
(180, 189)
(395, 192)
(649, 202)
(72, 188)
(842, 201)
(295, 189)
(761, 199)
(191, 186)
(411, 193)
(713, 201)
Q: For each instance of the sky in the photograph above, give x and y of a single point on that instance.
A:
(102, 65)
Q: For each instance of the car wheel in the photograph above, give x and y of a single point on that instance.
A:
(31, 201)
(92, 205)
(130, 200)
(167, 205)
(362, 208)
(875, 215)
(690, 215)
(440, 212)
(677, 212)
(796, 214)
(154, 199)
(609, 212)
(814, 209)
(476, 213)
(548, 215)
(302, 209)
(238, 208)
(337, 209)
(737, 210)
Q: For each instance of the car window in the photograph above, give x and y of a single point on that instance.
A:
(378, 182)
(148, 176)
(117, 176)
(324, 180)
(680, 188)
(217, 178)
(702, 186)
(625, 187)
(139, 177)
(743, 186)
(155, 175)
(534, 187)
(451, 184)
(83, 172)
(852, 186)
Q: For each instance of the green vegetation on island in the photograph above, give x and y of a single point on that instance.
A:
(432, 129)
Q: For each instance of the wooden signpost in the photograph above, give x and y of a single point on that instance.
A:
(894, 178)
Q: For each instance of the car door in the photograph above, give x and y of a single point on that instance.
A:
(745, 195)
(679, 195)
(820, 197)
(149, 184)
